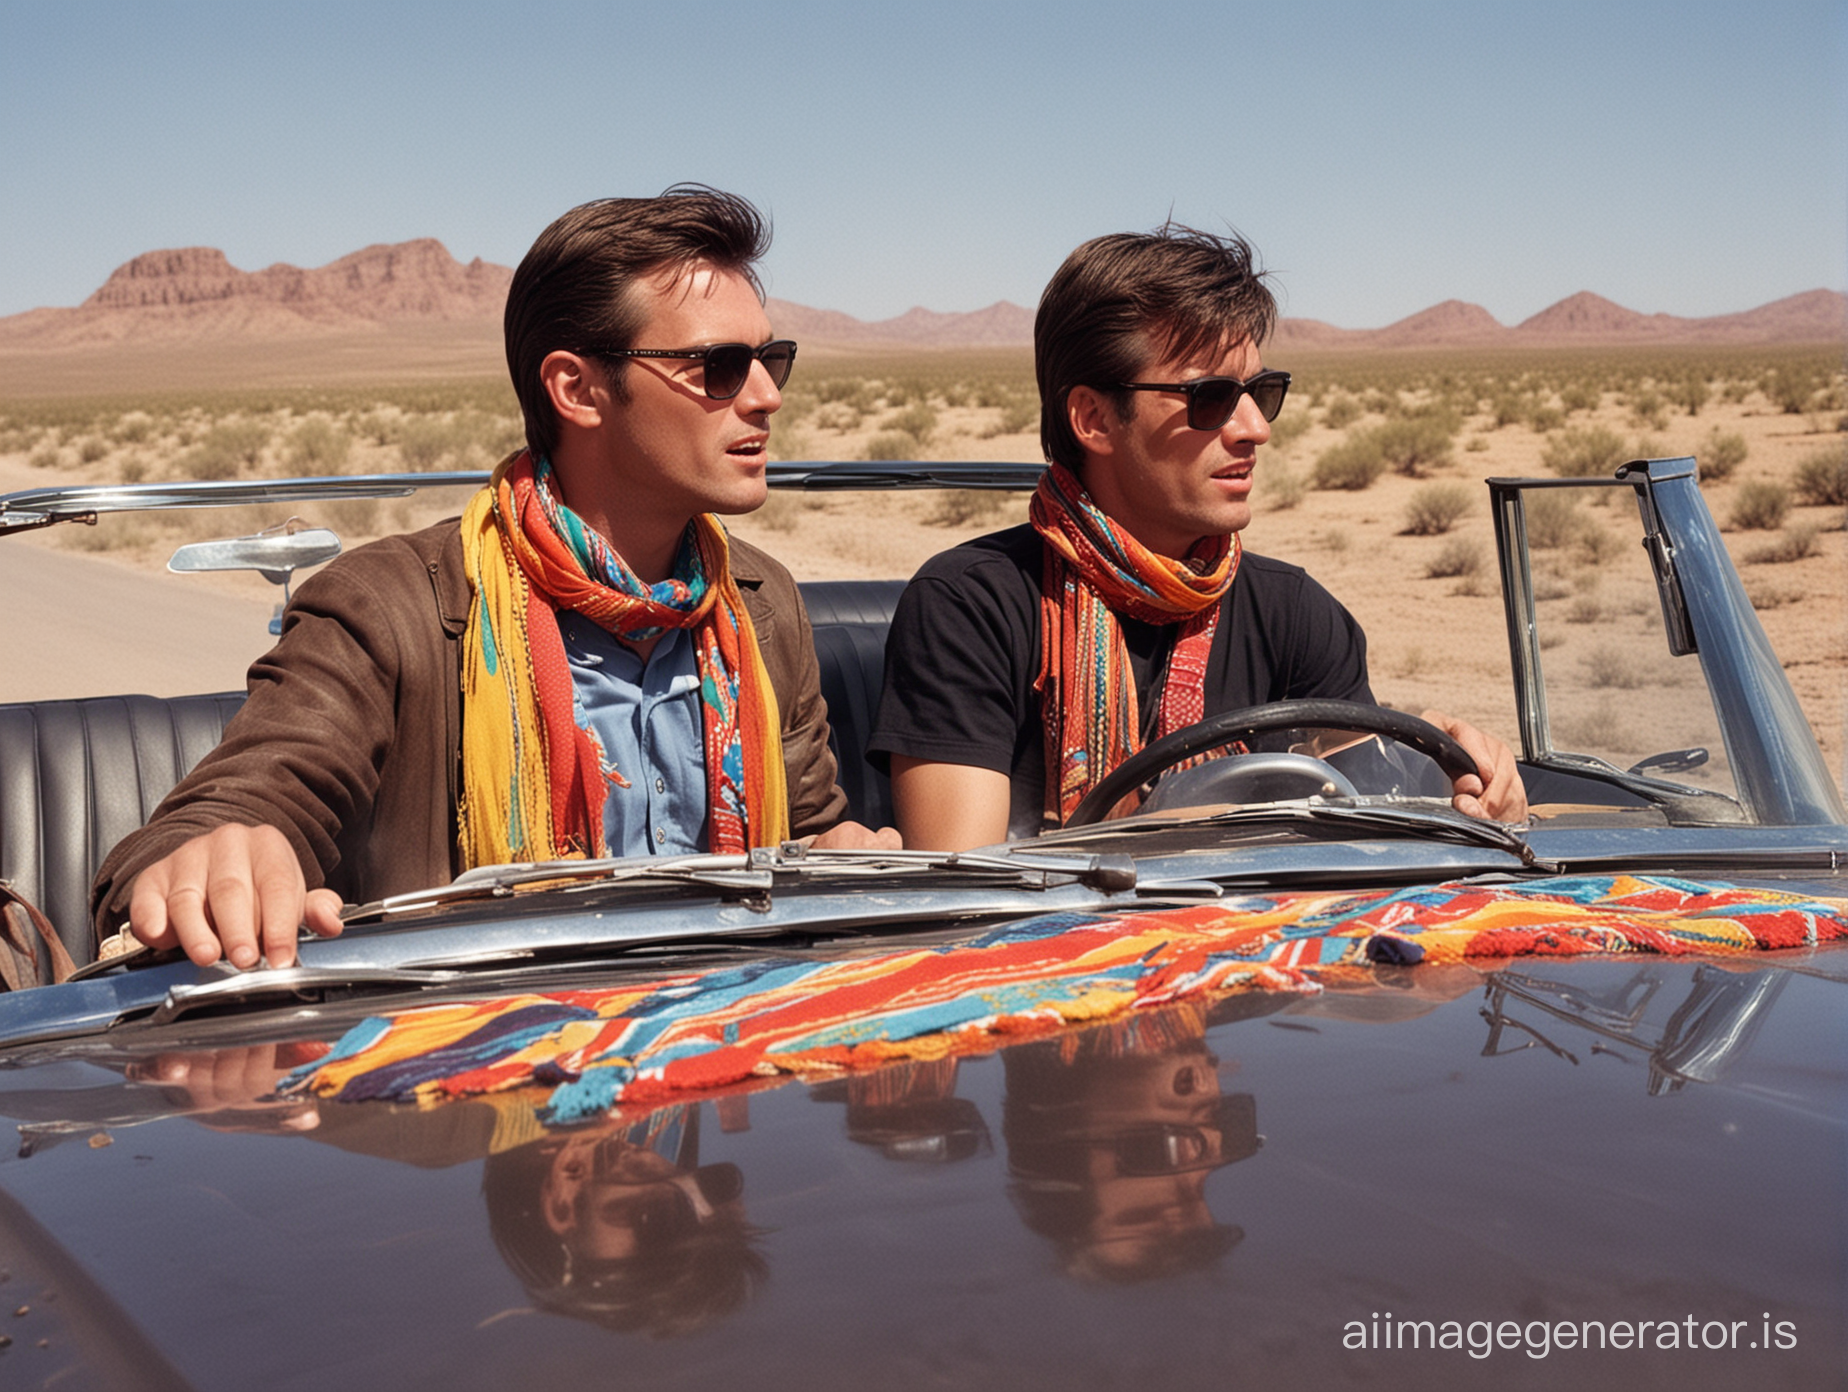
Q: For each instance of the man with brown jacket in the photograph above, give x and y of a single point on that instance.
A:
(587, 664)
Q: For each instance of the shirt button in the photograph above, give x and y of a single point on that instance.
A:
(660, 836)
(660, 785)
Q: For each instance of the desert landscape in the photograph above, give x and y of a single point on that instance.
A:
(182, 366)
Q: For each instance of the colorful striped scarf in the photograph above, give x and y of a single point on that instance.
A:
(655, 1039)
(532, 781)
(1094, 571)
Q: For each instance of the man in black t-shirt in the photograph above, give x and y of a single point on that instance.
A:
(1025, 665)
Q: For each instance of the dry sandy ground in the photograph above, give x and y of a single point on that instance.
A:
(87, 624)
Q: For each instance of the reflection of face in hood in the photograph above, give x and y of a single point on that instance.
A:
(1110, 1137)
(602, 1225)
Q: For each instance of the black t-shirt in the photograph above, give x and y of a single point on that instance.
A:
(964, 651)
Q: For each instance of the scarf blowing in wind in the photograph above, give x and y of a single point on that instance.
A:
(532, 781)
(1094, 571)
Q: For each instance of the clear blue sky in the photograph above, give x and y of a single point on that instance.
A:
(1688, 158)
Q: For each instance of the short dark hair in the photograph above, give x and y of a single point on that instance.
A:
(575, 289)
(1122, 301)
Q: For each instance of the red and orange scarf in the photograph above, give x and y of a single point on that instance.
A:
(1094, 571)
(532, 782)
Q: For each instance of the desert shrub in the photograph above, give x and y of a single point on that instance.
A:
(1585, 609)
(423, 441)
(133, 428)
(1282, 488)
(1416, 443)
(916, 420)
(1595, 545)
(1545, 418)
(857, 392)
(1791, 388)
(1648, 411)
(476, 437)
(781, 511)
(1765, 594)
(1379, 403)
(1552, 517)
(1592, 451)
(1549, 585)
(1017, 417)
(1613, 667)
(1436, 508)
(317, 445)
(92, 448)
(1580, 396)
(1510, 407)
(1760, 505)
(1350, 464)
(1475, 444)
(1408, 444)
(382, 425)
(893, 444)
(46, 456)
(1602, 727)
(1341, 412)
(1290, 427)
(1689, 392)
(1822, 479)
(1799, 543)
(225, 450)
(835, 415)
(1460, 557)
(960, 507)
(1721, 453)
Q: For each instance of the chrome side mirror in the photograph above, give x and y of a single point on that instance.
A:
(275, 553)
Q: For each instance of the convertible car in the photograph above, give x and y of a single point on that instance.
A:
(1277, 1072)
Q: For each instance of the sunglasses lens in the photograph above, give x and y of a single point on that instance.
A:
(778, 358)
(1210, 403)
(1268, 392)
(726, 368)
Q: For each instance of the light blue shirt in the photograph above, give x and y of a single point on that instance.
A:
(646, 715)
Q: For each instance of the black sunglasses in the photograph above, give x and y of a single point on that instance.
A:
(728, 365)
(1212, 400)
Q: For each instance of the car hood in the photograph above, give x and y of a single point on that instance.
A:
(1195, 1198)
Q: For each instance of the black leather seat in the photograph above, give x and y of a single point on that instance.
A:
(78, 776)
(850, 619)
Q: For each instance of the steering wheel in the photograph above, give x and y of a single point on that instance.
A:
(1157, 758)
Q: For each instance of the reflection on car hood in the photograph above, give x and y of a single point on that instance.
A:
(1200, 1197)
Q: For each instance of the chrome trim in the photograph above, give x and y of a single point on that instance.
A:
(43, 507)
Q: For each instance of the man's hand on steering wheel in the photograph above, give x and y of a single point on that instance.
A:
(1495, 791)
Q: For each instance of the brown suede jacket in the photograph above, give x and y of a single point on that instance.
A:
(350, 739)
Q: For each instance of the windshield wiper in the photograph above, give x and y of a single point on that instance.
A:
(1436, 822)
(1432, 824)
(757, 874)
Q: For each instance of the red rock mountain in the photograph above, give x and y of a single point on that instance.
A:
(196, 293)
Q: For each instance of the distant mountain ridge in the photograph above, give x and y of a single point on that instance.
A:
(196, 293)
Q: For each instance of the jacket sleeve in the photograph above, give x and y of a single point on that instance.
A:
(303, 753)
